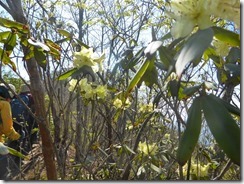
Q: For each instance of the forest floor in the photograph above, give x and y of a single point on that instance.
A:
(33, 167)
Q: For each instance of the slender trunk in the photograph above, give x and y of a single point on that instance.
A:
(38, 95)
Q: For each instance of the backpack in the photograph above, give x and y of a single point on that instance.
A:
(19, 111)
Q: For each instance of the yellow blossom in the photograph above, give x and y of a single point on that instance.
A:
(117, 103)
(84, 85)
(225, 9)
(101, 91)
(127, 103)
(191, 13)
(72, 84)
(167, 136)
(146, 108)
(148, 149)
(197, 169)
(88, 58)
(187, 14)
(83, 57)
(89, 92)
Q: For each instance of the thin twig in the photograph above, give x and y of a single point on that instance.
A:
(224, 170)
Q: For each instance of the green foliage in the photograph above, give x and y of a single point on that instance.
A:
(149, 91)
(193, 48)
(16, 153)
(145, 64)
(191, 134)
(223, 127)
(227, 36)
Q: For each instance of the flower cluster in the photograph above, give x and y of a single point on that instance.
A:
(147, 149)
(87, 90)
(119, 104)
(86, 57)
(145, 108)
(189, 13)
(197, 169)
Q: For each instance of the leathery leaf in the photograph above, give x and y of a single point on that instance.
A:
(223, 127)
(191, 134)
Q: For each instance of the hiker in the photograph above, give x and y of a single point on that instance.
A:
(6, 127)
(6, 122)
(24, 122)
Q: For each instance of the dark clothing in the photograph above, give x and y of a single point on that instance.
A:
(3, 167)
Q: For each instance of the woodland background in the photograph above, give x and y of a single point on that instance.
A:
(153, 104)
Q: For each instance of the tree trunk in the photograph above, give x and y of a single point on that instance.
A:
(37, 90)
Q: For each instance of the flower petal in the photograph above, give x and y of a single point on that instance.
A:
(182, 27)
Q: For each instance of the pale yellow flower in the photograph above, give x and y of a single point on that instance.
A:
(99, 61)
(127, 103)
(188, 14)
(167, 136)
(197, 169)
(225, 9)
(117, 103)
(191, 13)
(147, 149)
(83, 57)
(83, 84)
(146, 108)
(101, 91)
(89, 92)
(87, 57)
(72, 84)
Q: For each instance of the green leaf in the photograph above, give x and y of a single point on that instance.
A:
(233, 69)
(16, 153)
(65, 33)
(135, 59)
(40, 57)
(193, 48)
(150, 77)
(222, 76)
(167, 36)
(4, 36)
(54, 48)
(67, 74)
(189, 91)
(223, 127)
(232, 109)
(174, 87)
(229, 37)
(15, 25)
(166, 56)
(84, 70)
(10, 43)
(191, 134)
(137, 77)
(4, 58)
(81, 43)
(62, 40)
(234, 55)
